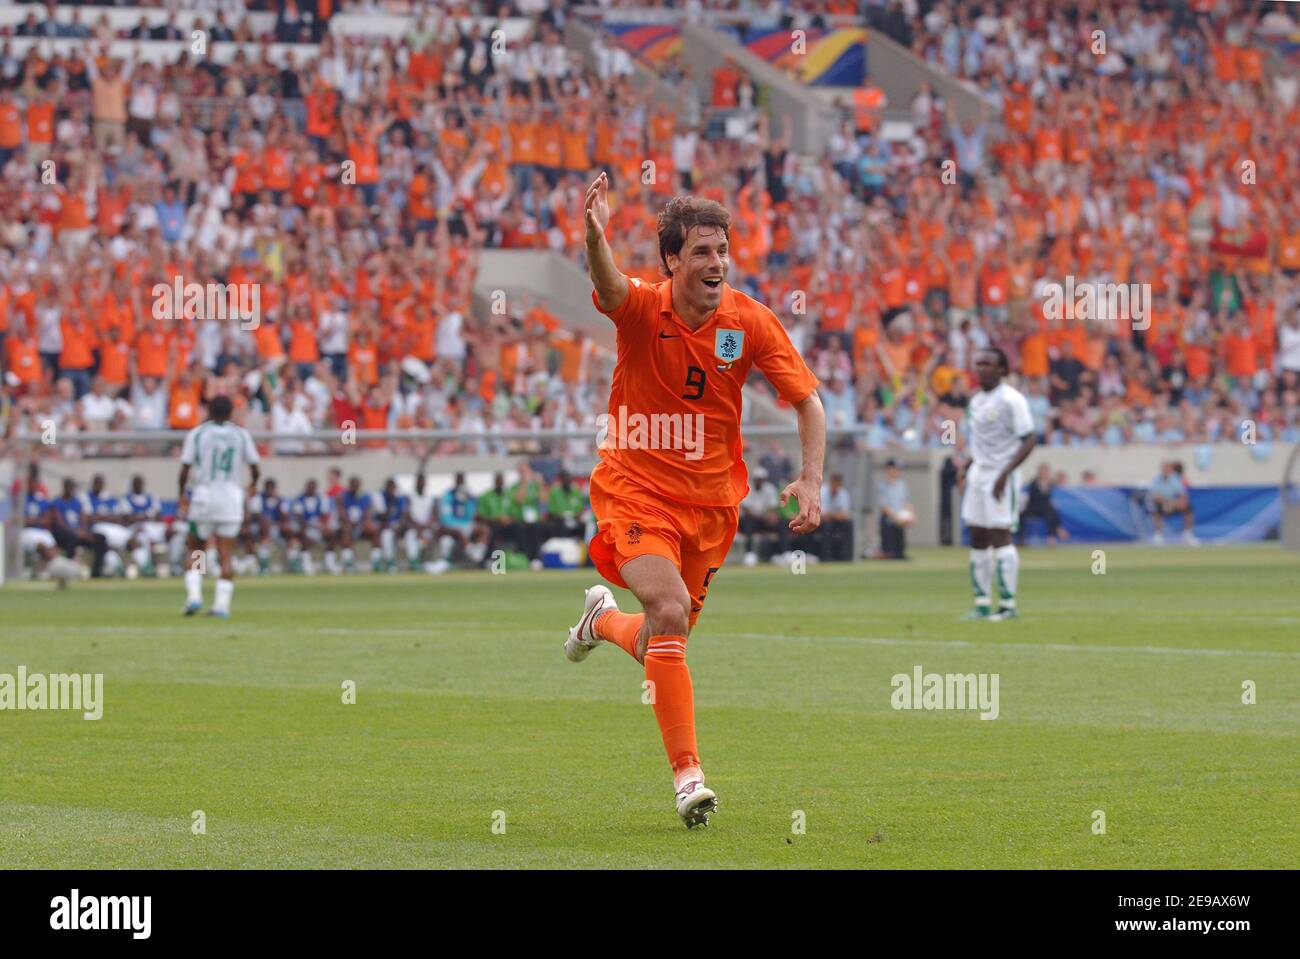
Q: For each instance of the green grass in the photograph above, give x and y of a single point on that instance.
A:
(1119, 692)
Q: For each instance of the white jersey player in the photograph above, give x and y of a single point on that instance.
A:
(214, 455)
(1001, 435)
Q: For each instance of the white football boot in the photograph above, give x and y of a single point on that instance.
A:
(582, 639)
(695, 801)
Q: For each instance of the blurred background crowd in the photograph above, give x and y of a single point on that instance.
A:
(356, 184)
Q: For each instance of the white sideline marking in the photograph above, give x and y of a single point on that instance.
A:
(462, 630)
(1032, 647)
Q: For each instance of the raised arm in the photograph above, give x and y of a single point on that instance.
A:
(606, 277)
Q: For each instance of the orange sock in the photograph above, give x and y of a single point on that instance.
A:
(674, 699)
(621, 629)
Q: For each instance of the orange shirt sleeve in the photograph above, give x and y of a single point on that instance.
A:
(780, 362)
(640, 305)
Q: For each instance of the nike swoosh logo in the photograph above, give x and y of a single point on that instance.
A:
(668, 336)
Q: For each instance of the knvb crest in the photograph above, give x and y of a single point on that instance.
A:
(728, 345)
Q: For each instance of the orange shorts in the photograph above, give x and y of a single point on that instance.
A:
(634, 521)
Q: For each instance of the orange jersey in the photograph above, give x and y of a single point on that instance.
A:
(184, 406)
(114, 363)
(11, 126)
(40, 122)
(23, 360)
(677, 387)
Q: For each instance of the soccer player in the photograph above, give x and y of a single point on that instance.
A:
(356, 522)
(103, 514)
(1169, 497)
(70, 526)
(455, 520)
(36, 536)
(217, 451)
(422, 520)
(309, 516)
(1001, 436)
(268, 517)
(140, 510)
(393, 514)
(667, 506)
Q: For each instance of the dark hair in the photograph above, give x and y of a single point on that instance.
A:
(680, 215)
(220, 408)
(1001, 355)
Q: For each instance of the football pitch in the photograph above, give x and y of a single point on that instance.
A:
(474, 743)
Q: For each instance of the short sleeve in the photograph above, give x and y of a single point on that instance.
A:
(1022, 421)
(781, 363)
(641, 300)
(188, 448)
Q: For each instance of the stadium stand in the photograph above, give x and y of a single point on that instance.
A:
(340, 172)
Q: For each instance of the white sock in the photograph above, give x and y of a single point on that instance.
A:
(412, 541)
(331, 561)
(1008, 570)
(194, 586)
(445, 545)
(388, 541)
(140, 556)
(981, 574)
(349, 557)
(225, 590)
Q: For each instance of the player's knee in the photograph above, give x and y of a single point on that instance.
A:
(668, 615)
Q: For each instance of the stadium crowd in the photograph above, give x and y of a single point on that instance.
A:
(354, 185)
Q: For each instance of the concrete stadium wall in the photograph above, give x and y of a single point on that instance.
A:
(900, 73)
(705, 49)
(290, 472)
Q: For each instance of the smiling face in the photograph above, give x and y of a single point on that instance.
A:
(701, 267)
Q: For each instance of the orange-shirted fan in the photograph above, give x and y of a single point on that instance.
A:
(550, 152)
(79, 344)
(363, 361)
(891, 283)
(1240, 354)
(278, 172)
(151, 347)
(248, 172)
(114, 362)
(24, 360)
(267, 341)
(363, 150)
(40, 122)
(1033, 354)
(321, 104)
(523, 141)
(11, 126)
(994, 286)
(185, 405)
(302, 341)
(867, 103)
(72, 212)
